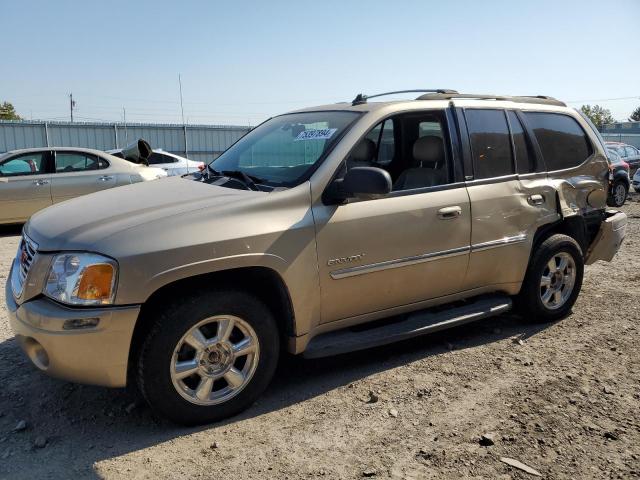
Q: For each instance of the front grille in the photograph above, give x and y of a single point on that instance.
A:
(24, 259)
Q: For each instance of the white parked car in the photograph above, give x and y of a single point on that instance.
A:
(170, 162)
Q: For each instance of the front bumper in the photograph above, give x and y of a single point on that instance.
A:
(97, 355)
(609, 238)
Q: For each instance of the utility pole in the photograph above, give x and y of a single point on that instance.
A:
(184, 125)
(124, 118)
(72, 104)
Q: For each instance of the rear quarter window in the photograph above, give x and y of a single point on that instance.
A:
(562, 141)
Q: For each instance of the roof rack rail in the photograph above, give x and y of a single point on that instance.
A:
(540, 99)
(362, 98)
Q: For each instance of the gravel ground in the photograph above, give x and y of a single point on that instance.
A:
(562, 398)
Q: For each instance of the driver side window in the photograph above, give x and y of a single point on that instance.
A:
(28, 164)
(411, 147)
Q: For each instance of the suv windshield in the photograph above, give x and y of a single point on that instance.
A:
(284, 151)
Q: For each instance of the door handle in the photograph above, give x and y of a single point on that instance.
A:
(536, 199)
(105, 178)
(448, 213)
(40, 182)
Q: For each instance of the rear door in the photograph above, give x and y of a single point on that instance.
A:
(25, 186)
(509, 199)
(79, 173)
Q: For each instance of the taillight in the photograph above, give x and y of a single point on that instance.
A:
(201, 166)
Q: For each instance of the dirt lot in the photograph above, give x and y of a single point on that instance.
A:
(565, 400)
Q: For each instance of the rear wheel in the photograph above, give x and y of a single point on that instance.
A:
(208, 357)
(618, 194)
(553, 280)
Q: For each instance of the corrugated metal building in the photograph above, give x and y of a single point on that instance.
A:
(625, 132)
(203, 142)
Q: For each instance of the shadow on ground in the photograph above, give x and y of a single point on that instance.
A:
(10, 230)
(85, 424)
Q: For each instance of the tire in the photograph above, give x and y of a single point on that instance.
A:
(168, 352)
(618, 194)
(530, 301)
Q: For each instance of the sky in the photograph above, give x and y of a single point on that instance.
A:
(243, 61)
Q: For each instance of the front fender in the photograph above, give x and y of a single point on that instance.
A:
(160, 279)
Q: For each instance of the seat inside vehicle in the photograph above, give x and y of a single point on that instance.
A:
(409, 147)
(428, 160)
(363, 155)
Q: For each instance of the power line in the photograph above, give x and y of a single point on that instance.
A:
(637, 97)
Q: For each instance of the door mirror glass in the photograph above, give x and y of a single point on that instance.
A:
(363, 182)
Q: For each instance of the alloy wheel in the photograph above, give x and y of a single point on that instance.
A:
(214, 360)
(557, 281)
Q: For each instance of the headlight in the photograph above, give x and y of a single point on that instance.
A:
(82, 279)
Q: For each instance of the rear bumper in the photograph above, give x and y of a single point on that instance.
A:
(97, 355)
(609, 238)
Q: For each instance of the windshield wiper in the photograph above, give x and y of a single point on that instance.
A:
(249, 180)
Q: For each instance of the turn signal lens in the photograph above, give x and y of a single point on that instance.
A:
(96, 283)
(80, 278)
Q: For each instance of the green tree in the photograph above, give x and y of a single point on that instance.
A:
(598, 115)
(8, 112)
(635, 116)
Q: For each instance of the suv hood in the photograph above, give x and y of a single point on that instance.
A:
(83, 223)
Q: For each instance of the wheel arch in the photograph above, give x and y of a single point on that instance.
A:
(582, 229)
(263, 282)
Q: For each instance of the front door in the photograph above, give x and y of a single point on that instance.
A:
(409, 246)
(25, 186)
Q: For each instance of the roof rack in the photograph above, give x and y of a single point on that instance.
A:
(361, 98)
(540, 99)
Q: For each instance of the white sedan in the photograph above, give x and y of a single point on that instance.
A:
(170, 162)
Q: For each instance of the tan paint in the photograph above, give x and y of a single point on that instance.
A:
(342, 264)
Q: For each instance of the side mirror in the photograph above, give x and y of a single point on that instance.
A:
(361, 182)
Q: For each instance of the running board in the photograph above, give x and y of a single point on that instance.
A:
(416, 324)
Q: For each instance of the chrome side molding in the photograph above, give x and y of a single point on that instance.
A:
(501, 242)
(426, 257)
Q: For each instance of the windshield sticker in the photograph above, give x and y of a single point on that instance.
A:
(322, 134)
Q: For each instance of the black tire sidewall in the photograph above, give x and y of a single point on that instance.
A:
(154, 377)
(613, 196)
(529, 301)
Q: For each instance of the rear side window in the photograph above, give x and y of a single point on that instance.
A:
(158, 159)
(525, 160)
(490, 143)
(562, 141)
(75, 162)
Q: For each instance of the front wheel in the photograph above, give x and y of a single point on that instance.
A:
(208, 357)
(553, 280)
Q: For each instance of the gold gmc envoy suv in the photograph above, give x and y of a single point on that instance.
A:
(314, 222)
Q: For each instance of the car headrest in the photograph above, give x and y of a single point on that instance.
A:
(365, 151)
(428, 151)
